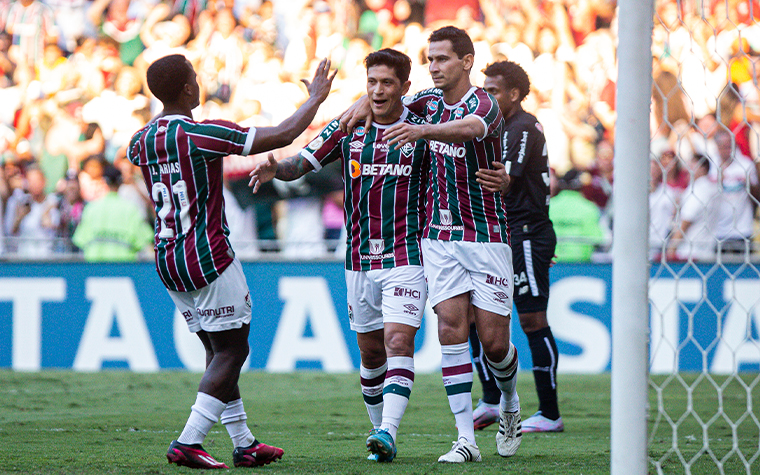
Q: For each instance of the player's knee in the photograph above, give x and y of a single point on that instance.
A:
(495, 350)
(399, 344)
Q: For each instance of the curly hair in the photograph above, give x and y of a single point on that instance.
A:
(514, 76)
(167, 77)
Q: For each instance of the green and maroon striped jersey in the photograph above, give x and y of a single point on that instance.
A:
(458, 208)
(384, 189)
(180, 160)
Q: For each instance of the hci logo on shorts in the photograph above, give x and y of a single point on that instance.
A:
(446, 218)
(376, 246)
(500, 281)
(404, 292)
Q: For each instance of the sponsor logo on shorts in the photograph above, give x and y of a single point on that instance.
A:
(248, 299)
(404, 292)
(411, 309)
(350, 313)
(500, 281)
(523, 290)
(188, 315)
(501, 297)
(376, 246)
(221, 312)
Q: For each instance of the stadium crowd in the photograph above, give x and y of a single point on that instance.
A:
(72, 84)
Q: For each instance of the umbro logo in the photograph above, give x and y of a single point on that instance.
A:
(411, 307)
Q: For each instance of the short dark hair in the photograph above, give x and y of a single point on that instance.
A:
(513, 74)
(460, 40)
(167, 77)
(398, 61)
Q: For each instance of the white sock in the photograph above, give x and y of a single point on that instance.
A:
(398, 387)
(203, 415)
(234, 419)
(456, 367)
(372, 381)
(505, 376)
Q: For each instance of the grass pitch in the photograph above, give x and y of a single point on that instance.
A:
(121, 423)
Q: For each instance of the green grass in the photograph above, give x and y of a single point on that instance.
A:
(120, 422)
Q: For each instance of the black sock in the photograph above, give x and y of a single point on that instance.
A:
(543, 350)
(491, 393)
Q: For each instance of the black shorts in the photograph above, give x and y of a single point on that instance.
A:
(532, 253)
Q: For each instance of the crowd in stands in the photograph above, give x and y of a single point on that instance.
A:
(72, 86)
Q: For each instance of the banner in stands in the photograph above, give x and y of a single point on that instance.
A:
(90, 317)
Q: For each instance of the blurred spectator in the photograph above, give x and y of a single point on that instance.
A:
(33, 217)
(737, 180)
(118, 111)
(31, 24)
(70, 208)
(114, 19)
(663, 203)
(91, 179)
(133, 189)
(575, 219)
(112, 228)
(694, 235)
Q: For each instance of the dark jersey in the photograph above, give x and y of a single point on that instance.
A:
(526, 161)
(384, 192)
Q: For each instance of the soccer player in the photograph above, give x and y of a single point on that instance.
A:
(384, 214)
(181, 161)
(467, 259)
(526, 201)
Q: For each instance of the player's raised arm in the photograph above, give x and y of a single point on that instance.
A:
(270, 138)
(287, 169)
(358, 111)
(469, 128)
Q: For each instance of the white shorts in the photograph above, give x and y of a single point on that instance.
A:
(395, 295)
(224, 304)
(482, 268)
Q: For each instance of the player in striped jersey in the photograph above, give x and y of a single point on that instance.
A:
(384, 215)
(465, 242)
(181, 161)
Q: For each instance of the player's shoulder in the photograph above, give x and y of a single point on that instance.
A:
(413, 118)
(425, 94)
(524, 120)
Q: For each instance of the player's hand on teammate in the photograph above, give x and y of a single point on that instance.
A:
(263, 172)
(403, 133)
(358, 112)
(494, 180)
(320, 85)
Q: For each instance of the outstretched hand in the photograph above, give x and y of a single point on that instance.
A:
(263, 172)
(320, 85)
(403, 133)
(359, 111)
(494, 180)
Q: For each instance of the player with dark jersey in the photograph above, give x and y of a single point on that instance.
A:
(526, 201)
(384, 213)
(181, 161)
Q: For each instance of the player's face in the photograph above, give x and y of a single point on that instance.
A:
(195, 89)
(497, 87)
(384, 90)
(446, 69)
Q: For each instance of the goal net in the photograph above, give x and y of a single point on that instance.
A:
(704, 289)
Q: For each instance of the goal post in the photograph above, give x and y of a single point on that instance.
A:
(630, 266)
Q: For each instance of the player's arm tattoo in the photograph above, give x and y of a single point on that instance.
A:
(293, 168)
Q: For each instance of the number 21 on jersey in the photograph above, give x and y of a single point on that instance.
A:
(169, 199)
